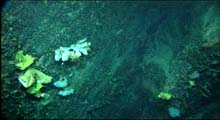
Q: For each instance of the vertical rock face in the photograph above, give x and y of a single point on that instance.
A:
(139, 49)
(154, 79)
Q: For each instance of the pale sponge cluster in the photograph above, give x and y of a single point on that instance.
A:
(74, 52)
(62, 83)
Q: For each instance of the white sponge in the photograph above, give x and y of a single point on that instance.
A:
(76, 50)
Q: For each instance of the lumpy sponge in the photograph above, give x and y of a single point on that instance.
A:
(66, 92)
(61, 83)
(174, 112)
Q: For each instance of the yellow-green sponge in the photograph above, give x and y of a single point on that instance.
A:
(33, 80)
(23, 61)
(165, 96)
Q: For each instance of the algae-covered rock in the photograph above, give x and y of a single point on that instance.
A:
(23, 61)
(211, 42)
(194, 75)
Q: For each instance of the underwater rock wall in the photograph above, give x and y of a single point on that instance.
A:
(137, 51)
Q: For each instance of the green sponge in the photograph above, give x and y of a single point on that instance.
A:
(35, 90)
(23, 61)
(165, 96)
(34, 79)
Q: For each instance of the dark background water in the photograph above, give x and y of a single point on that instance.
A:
(139, 49)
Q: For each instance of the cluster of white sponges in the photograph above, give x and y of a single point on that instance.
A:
(74, 52)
